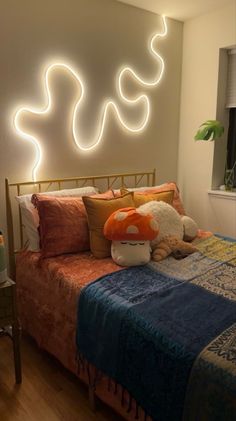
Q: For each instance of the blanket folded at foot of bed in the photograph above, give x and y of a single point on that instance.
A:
(167, 332)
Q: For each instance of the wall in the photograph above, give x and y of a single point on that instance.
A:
(97, 37)
(203, 37)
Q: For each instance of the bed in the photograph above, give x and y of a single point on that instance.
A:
(170, 327)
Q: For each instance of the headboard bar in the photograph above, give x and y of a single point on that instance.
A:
(122, 179)
(92, 177)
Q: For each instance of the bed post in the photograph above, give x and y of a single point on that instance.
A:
(10, 232)
(154, 177)
(92, 401)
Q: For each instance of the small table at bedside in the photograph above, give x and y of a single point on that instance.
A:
(9, 324)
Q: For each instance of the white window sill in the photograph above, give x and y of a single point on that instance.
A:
(231, 195)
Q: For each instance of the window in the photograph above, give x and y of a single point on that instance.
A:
(231, 104)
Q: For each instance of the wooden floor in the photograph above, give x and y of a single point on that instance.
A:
(48, 391)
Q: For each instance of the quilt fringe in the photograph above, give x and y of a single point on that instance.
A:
(126, 400)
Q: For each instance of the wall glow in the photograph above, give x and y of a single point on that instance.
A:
(104, 110)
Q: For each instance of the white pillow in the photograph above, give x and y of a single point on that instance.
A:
(30, 216)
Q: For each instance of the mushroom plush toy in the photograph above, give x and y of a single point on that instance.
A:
(130, 233)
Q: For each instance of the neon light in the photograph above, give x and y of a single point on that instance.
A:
(107, 104)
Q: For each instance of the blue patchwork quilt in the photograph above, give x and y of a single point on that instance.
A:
(146, 327)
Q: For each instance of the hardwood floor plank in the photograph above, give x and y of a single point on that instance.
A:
(48, 391)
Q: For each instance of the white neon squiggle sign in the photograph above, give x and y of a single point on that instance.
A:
(107, 104)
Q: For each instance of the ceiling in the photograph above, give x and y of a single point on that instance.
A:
(178, 9)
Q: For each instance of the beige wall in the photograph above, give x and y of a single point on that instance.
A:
(97, 37)
(203, 37)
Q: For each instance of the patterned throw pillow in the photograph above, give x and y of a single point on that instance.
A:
(30, 216)
(63, 225)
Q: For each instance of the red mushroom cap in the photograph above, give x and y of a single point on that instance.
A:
(128, 224)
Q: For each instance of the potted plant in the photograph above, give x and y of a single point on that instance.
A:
(212, 130)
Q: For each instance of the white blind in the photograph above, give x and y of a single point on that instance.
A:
(231, 80)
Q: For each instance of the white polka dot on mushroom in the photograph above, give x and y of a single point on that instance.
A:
(154, 225)
(120, 216)
(132, 229)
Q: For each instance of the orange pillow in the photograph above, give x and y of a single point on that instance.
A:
(63, 225)
(143, 197)
(98, 211)
(177, 203)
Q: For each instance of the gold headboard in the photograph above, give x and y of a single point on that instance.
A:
(15, 229)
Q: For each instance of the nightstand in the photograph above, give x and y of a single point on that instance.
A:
(9, 324)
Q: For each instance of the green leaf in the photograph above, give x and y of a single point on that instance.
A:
(210, 130)
(203, 134)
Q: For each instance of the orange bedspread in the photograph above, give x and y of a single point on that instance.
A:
(48, 291)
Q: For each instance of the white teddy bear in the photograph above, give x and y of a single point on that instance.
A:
(174, 229)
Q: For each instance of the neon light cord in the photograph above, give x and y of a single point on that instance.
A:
(104, 111)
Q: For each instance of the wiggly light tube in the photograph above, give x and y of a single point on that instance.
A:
(107, 104)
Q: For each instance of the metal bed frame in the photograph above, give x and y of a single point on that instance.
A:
(15, 228)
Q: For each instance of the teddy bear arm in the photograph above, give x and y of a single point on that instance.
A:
(171, 244)
(180, 248)
(161, 251)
